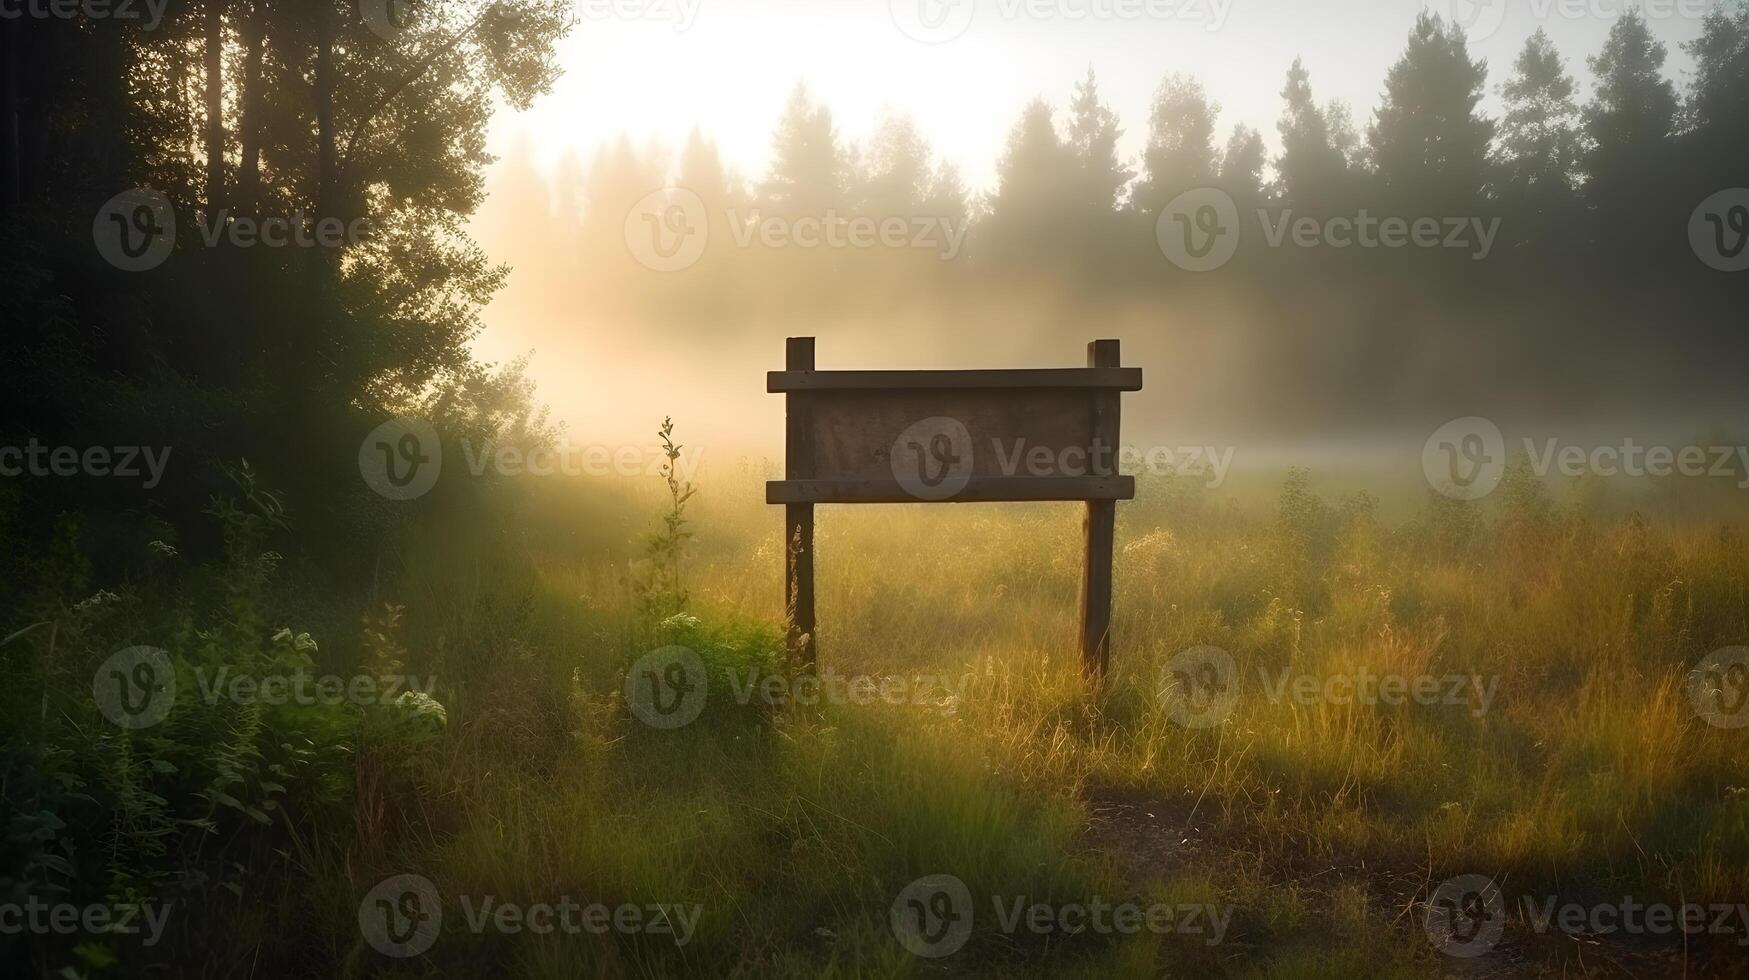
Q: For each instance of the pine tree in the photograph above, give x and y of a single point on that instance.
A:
(1719, 99)
(1428, 141)
(808, 167)
(896, 168)
(1181, 144)
(1241, 167)
(1093, 136)
(1311, 169)
(1633, 112)
(1539, 136)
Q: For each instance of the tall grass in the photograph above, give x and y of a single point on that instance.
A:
(1322, 824)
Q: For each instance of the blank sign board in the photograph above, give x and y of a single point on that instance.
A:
(869, 437)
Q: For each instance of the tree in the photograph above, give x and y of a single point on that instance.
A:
(215, 105)
(896, 168)
(808, 167)
(1539, 136)
(1181, 143)
(1035, 175)
(1633, 112)
(947, 194)
(1037, 190)
(1718, 102)
(1345, 138)
(1719, 98)
(1241, 167)
(1093, 136)
(1429, 143)
(1312, 170)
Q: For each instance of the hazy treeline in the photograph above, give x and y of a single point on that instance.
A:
(1589, 268)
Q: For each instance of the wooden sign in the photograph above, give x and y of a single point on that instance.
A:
(871, 437)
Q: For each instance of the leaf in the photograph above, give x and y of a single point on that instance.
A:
(21, 632)
(54, 863)
(223, 798)
(94, 954)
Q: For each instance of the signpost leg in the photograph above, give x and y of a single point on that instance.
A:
(799, 576)
(798, 525)
(1100, 527)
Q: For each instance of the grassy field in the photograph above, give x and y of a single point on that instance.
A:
(1296, 828)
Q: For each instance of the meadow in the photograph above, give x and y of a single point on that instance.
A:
(1302, 831)
(1322, 709)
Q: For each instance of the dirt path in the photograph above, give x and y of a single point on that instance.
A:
(1156, 839)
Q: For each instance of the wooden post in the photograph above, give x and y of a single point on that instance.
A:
(798, 528)
(1101, 522)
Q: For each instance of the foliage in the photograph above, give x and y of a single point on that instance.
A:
(658, 580)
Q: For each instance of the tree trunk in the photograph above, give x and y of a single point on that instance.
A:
(249, 117)
(215, 107)
(327, 156)
(11, 159)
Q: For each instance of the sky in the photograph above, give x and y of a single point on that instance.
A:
(655, 68)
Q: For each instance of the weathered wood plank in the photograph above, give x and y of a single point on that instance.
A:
(1120, 379)
(1021, 489)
